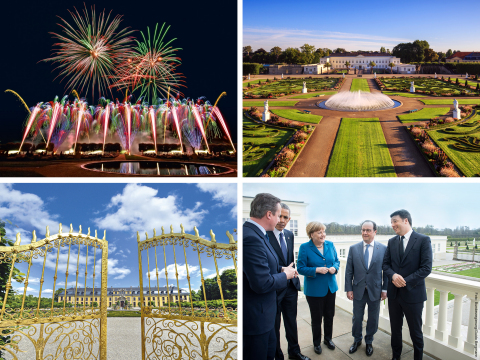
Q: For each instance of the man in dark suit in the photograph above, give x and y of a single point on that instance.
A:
(282, 240)
(365, 284)
(262, 277)
(407, 262)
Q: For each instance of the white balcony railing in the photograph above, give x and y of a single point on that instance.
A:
(441, 340)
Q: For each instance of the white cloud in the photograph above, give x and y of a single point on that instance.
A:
(24, 209)
(220, 271)
(19, 290)
(47, 291)
(71, 284)
(194, 271)
(226, 194)
(138, 208)
(33, 280)
(115, 270)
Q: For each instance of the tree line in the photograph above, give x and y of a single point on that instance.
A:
(417, 51)
(349, 229)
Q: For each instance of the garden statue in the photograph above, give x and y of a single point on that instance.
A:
(343, 75)
(248, 76)
(375, 75)
(466, 76)
(412, 87)
(304, 90)
(282, 75)
(266, 113)
(435, 75)
(456, 111)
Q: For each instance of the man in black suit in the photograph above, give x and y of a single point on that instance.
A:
(407, 262)
(262, 277)
(282, 240)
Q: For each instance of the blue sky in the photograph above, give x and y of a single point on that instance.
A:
(121, 210)
(361, 26)
(446, 205)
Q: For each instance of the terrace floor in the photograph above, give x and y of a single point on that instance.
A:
(342, 337)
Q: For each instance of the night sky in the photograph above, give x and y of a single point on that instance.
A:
(206, 31)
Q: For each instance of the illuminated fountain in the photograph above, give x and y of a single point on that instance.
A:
(358, 101)
(65, 123)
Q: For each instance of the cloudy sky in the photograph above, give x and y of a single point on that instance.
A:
(121, 210)
(441, 205)
(359, 26)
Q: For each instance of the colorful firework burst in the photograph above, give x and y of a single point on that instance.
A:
(150, 67)
(88, 52)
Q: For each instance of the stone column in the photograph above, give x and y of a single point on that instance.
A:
(469, 345)
(441, 331)
(412, 87)
(266, 113)
(428, 326)
(455, 337)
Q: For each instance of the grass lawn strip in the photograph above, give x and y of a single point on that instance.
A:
(311, 95)
(260, 144)
(408, 95)
(468, 162)
(297, 115)
(424, 114)
(450, 101)
(360, 84)
(360, 150)
(270, 103)
(248, 83)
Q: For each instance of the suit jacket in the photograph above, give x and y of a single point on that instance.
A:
(415, 266)
(358, 277)
(289, 239)
(309, 258)
(262, 277)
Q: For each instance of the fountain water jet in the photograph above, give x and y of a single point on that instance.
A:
(358, 101)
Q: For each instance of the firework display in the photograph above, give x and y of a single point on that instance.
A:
(64, 123)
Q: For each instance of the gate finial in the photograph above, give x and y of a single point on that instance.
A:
(96, 234)
(88, 234)
(212, 235)
(146, 235)
(60, 228)
(80, 229)
(163, 231)
(18, 240)
(231, 240)
(171, 229)
(154, 232)
(104, 234)
(138, 237)
(71, 229)
(34, 237)
(47, 234)
(183, 229)
(196, 231)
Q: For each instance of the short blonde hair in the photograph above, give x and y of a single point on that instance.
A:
(314, 226)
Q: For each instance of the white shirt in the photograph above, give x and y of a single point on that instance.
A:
(370, 251)
(258, 225)
(277, 235)
(406, 238)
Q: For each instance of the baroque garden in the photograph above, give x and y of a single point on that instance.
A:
(418, 136)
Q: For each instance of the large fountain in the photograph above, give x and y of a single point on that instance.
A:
(358, 101)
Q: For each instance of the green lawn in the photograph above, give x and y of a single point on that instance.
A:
(311, 95)
(359, 84)
(424, 114)
(297, 115)
(260, 145)
(360, 150)
(471, 272)
(424, 84)
(408, 95)
(460, 143)
(126, 313)
(270, 103)
(450, 101)
(248, 83)
(287, 86)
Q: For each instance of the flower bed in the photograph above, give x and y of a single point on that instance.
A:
(430, 86)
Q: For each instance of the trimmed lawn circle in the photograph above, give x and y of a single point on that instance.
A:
(423, 114)
(270, 103)
(297, 115)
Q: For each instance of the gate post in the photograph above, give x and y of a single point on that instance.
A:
(103, 306)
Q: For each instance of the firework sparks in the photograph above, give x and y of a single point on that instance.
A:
(150, 67)
(89, 50)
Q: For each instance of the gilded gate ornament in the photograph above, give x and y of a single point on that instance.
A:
(59, 331)
(178, 331)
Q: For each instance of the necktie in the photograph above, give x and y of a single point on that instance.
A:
(365, 256)
(402, 248)
(283, 246)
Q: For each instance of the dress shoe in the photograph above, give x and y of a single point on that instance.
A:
(396, 358)
(299, 356)
(329, 344)
(369, 350)
(354, 347)
(317, 349)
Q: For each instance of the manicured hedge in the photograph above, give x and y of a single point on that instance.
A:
(251, 68)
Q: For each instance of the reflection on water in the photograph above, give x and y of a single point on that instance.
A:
(154, 168)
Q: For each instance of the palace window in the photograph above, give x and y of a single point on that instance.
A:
(294, 227)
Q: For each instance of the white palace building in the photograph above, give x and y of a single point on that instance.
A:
(444, 337)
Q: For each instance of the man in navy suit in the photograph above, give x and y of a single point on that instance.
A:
(365, 284)
(282, 240)
(262, 277)
(407, 262)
